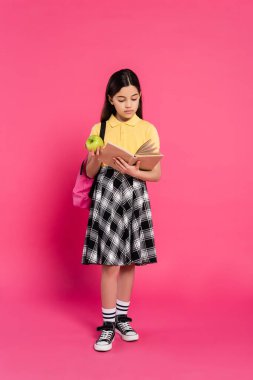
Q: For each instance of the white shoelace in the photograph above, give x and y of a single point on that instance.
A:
(106, 334)
(126, 326)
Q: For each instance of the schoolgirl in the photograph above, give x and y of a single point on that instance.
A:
(119, 233)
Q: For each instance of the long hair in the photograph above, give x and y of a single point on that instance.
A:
(119, 79)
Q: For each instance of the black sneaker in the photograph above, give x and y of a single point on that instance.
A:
(104, 342)
(123, 327)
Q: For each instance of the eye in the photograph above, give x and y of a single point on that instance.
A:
(121, 101)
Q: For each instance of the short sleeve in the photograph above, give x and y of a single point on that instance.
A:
(95, 130)
(154, 136)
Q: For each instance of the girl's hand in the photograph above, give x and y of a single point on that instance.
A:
(96, 155)
(123, 167)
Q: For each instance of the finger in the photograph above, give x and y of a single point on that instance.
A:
(116, 162)
(138, 165)
(119, 165)
(123, 162)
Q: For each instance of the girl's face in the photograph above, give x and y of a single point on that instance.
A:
(126, 102)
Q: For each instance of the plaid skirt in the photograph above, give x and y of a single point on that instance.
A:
(120, 228)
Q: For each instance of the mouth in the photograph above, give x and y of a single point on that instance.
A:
(128, 111)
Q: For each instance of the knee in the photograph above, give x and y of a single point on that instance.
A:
(110, 270)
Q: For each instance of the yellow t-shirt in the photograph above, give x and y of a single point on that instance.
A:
(130, 134)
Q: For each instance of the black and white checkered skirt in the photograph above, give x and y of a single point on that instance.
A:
(120, 227)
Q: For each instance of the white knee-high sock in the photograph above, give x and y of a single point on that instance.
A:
(109, 314)
(122, 307)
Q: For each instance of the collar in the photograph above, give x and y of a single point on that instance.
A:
(113, 121)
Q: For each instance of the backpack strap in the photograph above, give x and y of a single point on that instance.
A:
(102, 129)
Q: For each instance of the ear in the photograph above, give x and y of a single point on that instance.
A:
(110, 99)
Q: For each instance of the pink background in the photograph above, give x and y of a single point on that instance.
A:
(193, 308)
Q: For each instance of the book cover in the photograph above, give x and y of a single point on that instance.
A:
(146, 154)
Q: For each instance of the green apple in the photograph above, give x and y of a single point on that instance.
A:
(93, 142)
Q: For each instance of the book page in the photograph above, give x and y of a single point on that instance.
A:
(148, 147)
(152, 149)
(148, 154)
(144, 144)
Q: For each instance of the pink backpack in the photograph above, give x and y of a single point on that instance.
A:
(84, 185)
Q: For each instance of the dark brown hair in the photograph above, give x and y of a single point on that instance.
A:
(119, 79)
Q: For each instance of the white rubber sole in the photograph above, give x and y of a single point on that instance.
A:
(103, 347)
(127, 338)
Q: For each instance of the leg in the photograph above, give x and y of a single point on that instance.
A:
(125, 286)
(108, 295)
(109, 285)
(125, 282)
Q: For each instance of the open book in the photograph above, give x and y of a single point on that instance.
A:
(147, 154)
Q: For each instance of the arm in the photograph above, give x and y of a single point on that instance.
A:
(94, 159)
(93, 163)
